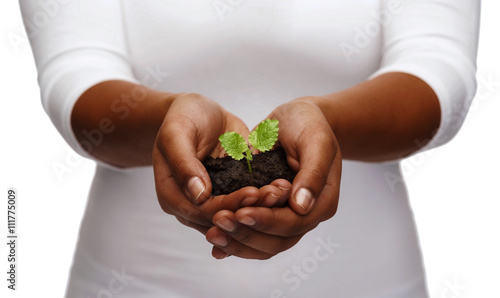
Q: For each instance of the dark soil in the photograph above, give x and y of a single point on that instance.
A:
(229, 175)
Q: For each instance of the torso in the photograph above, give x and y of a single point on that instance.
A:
(250, 56)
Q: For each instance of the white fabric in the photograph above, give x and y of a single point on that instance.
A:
(250, 56)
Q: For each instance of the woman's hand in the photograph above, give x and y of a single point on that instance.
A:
(189, 133)
(312, 151)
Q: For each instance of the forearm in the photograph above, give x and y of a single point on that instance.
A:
(385, 118)
(117, 122)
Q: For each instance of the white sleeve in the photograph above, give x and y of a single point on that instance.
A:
(76, 44)
(435, 40)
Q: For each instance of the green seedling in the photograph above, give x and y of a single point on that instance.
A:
(262, 138)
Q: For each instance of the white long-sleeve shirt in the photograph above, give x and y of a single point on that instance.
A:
(250, 56)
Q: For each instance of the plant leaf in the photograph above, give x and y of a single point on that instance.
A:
(234, 144)
(265, 135)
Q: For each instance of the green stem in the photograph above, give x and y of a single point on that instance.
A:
(249, 157)
(249, 166)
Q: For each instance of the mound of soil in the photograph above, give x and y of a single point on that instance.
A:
(229, 175)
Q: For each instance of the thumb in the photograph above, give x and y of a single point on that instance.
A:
(315, 159)
(183, 159)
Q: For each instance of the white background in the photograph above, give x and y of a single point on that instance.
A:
(454, 190)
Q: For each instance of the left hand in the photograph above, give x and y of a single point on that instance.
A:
(312, 151)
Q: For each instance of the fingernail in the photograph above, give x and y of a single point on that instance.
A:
(219, 241)
(284, 188)
(275, 195)
(304, 198)
(196, 188)
(226, 224)
(247, 220)
(221, 255)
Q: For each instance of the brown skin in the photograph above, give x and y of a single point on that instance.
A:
(386, 118)
(381, 119)
(131, 142)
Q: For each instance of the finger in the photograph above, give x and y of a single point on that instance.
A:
(275, 194)
(283, 222)
(234, 124)
(244, 240)
(283, 184)
(310, 146)
(243, 197)
(203, 214)
(272, 196)
(219, 253)
(188, 134)
(231, 247)
(173, 200)
(181, 156)
(316, 157)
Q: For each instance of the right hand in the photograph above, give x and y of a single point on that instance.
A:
(313, 152)
(189, 134)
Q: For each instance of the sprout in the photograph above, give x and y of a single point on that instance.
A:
(262, 138)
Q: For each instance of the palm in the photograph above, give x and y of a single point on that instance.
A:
(188, 135)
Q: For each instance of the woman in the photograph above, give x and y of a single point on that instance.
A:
(148, 83)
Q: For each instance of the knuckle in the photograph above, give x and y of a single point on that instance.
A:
(330, 212)
(300, 227)
(165, 208)
(167, 135)
(293, 229)
(187, 211)
(278, 248)
(204, 218)
(179, 164)
(318, 175)
(170, 128)
(192, 95)
(323, 137)
(289, 229)
(236, 250)
(243, 237)
(182, 220)
(164, 205)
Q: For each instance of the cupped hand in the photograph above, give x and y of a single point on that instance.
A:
(189, 133)
(312, 150)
